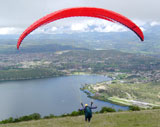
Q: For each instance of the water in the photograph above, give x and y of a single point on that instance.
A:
(47, 96)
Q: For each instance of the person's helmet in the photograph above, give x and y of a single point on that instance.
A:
(86, 105)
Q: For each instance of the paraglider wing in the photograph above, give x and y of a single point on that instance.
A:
(82, 11)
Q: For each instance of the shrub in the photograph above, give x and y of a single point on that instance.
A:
(134, 108)
(9, 120)
(23, 118)
(107, 109)
(64, 115)
(77, 113)
(35, 116)
(50, 116)
(74, 113)
(16, 120)
(156, 107)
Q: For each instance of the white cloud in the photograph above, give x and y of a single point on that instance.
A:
(9, 30)
(98, 26)
(110, 28)
(79, 27)
(83, 25)
(154, 23)
(53, 28)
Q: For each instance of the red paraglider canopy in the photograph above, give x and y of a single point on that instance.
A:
(83, 11)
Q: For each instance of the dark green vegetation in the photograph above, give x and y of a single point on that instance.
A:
(107, 109)
(134, 108)
(144, 118)
(22, 74)
(34, 116)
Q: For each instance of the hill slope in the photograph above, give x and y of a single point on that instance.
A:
(145, 118)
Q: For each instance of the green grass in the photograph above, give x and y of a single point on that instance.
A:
(145, 118)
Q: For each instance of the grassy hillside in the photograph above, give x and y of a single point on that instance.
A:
(145, 118)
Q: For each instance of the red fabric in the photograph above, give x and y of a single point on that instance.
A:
(82, 11)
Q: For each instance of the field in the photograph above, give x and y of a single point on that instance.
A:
(144, 118)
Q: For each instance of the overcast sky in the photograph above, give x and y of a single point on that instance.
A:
(22, 13)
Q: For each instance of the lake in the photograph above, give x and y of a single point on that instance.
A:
(56, 96)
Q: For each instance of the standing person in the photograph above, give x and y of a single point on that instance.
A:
(87, 111)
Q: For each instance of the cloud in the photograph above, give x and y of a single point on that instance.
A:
(81, 25)
(154, 23)
(9, 30)
(97, 25)
(87, 25)
(77, 25)
(53, 28)
(110, 28)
